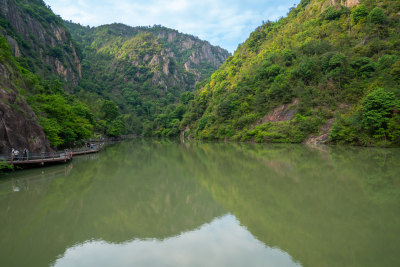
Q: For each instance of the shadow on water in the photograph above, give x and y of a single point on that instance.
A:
(329, 206)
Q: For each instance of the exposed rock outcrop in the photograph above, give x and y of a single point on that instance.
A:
(168, 58)
(47, 39)
(19, 127)
(200, 53)
(282, 113)
(348, 3)
(323, 136)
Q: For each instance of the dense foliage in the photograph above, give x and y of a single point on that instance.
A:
(36, 54)
(324, 70)
(64, 118)
(322, 63)
(129, 74)
(140, 69)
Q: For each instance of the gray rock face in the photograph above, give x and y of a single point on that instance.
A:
(50, 41)
(30, 38)
(174, 59)
(199, 52)
(19, 127)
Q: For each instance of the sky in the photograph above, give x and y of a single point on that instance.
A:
(221, 22)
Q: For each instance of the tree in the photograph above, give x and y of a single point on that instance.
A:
(306, 70)
(377, 109)
(289, 56)
(186, 97)
(364, 66)
(359, 13)
(334, 12)
(377, 15)
(110, 110)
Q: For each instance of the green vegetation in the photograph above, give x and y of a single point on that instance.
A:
(377, 121)
(325, 69)
(141, 70)
(4, 166)
(129, 75)
(40, 11)
(34, 14)
(321, 63)
(64, 119)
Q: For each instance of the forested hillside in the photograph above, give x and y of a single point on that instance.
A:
(39, 64)
(58, 89)
(329, 71)
(143, 70)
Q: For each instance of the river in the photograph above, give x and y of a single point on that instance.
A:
(162, 203)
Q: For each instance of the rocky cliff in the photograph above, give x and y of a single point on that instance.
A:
(144, 70)
(39, 40)
(191, 52)
(35, 45)
(164, 57)
(141, 69)
(19, 127)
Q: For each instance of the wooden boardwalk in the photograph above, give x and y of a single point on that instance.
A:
(84, 152)
(41, 159)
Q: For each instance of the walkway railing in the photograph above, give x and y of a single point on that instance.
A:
(36, 157)
(44, 157)
(84, 149)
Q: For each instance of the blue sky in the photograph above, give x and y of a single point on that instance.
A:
(221, 22)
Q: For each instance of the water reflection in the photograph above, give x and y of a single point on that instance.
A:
(223, 242)
(323, 207)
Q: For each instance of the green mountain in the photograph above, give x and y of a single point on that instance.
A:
(38, 63)
(329, 71)
(141, 69)
(39, 40)
(58, 88)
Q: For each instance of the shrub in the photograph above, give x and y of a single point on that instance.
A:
(288, 56)
(334, 12)
(377, 16)
(304, 3)
(386, 61)
(306, 70)
(272, 71)
(4, 166)
(364, 66)
(337, 60)
(377, 109)
(359, 13)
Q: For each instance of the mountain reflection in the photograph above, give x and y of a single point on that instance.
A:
(288, 205)
(223, 242)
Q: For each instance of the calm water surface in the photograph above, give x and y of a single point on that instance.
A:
(159, 203)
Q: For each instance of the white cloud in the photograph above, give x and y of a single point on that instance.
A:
(224, 23)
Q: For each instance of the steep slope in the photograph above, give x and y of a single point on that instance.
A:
(39, 40)
(38, 64)
(19, 126)
(142, 69)
(129, 76)
(324, 64)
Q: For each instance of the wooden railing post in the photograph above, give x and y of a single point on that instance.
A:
(27, 155)
(42, 155)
